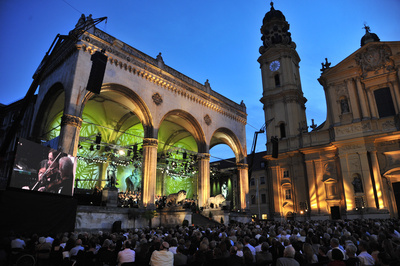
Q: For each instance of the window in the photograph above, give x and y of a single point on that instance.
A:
(282, 130)
(253, 199)
(252, 183)
(285, 173)
(288, 194)
(263, 198)
(262, 180)
(384, 102)
(277, 81)
(264, 216)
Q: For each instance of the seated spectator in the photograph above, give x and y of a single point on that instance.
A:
(288, 258)
(162, 257)
(179, 257)
(337, 258)
(264, 257)
(127, 254)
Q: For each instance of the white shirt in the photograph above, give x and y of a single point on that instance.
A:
(162, 258)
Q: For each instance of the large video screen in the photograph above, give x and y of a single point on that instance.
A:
(42, 169)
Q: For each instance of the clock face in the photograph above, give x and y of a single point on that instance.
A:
(274, 66)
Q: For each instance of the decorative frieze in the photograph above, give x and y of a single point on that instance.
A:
(150, 142)
(354, 128)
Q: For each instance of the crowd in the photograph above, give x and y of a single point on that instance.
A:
(288, 243)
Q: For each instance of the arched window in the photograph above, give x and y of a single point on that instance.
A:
(283, 130)
(277, 80)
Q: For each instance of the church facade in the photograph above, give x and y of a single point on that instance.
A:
(349, 166)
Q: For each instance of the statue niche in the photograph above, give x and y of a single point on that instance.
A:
(357, 184)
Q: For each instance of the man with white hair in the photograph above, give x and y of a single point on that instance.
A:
(288, 258)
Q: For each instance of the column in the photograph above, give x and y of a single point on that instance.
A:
(313, 188)
(361, 97)
(355, 109)
(149, 172)
(69, 134)
(378, 181)
(396, 95)
(243, 171)
(204, 178)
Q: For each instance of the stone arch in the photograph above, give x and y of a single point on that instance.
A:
(190, 124)
(51, 105)
(142, 111)
(226, 136)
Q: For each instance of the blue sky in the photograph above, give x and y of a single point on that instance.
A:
(208, 39)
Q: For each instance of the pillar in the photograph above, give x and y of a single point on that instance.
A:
(353, 99)
(382, 203)
(204, 178)
(361, 97)
(69, 134)
(149, 172)
(243, 171)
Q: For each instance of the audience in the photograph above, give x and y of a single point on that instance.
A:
(271, 243)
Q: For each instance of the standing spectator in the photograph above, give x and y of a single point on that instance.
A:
(264, 257)
(309, 254)
(127, 254)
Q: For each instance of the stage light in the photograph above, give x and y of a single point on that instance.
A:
(98, 147)
(129, 152)
(184, 155)
(91, 147)
(121, 152)
(135, 148)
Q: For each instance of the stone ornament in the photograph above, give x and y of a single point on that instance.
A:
(374, 58)
(157, 99)
(71, 120)
(207, 119)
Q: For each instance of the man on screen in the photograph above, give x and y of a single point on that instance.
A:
(65, 184)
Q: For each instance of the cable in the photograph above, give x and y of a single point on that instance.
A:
(72, 6)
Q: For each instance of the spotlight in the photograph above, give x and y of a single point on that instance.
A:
(98, 147)
(121, 152)
(91, 147)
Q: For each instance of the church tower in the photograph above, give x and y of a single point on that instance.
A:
(284, 104)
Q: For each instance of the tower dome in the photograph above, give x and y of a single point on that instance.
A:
(275, 29)
(369, 37)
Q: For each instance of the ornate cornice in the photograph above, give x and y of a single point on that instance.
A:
(71, 120)
(133, 61)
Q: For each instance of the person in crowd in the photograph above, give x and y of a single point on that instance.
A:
(288, 258)
(264, 257)
(127, 254)
(337, 258)
(162, 257)
(179, 257)
(365, 258)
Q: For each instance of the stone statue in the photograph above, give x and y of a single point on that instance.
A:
(344, 106)
(215, 201)
(357, 184)
(133, 182)
(111, 175)
(224, 190)
(176, 199)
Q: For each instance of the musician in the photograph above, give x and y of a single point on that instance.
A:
(64, 184)
(48, 172)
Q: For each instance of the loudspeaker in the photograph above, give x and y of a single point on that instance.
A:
(99, 62)
(275, 147)
(116, 227)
